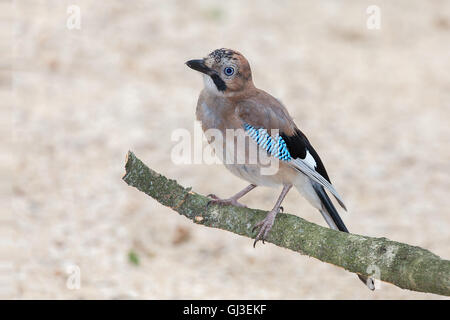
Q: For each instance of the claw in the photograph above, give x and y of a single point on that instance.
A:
(230, 201)
(256, 240)
(214, 199)
(265, 225)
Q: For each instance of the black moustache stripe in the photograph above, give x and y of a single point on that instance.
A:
(220, 84)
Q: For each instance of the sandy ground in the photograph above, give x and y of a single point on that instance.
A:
(375, 103)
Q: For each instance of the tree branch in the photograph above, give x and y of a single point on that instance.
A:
(405, 266)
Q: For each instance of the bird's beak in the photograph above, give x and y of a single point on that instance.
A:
(199, 65)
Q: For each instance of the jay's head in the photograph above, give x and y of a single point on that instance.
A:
(225, 71)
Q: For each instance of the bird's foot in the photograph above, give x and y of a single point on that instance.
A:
(230, 201)
(265, 226)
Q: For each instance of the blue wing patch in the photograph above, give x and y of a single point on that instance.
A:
(276, 146)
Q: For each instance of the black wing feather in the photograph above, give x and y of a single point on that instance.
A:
(298, 144)
(329, 207)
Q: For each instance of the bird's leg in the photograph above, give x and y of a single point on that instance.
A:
(266, 224)
(232, 200)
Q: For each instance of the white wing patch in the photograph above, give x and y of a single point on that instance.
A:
(309, 160)
(302, 166)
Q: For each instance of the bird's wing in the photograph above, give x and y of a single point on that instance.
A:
(290, 144)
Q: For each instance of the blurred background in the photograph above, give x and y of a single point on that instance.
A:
(374, 102)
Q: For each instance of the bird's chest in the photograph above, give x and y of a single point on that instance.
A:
(221, 130)
(209, 117)
(217, 119)
(216, 114)
(230, 143)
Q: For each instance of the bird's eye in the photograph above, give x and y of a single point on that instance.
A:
(228, 71)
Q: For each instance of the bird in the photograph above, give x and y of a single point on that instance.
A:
(230, 101)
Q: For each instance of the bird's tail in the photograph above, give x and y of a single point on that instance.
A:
(335, 222)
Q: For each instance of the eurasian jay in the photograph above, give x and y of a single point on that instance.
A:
(230, 101)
